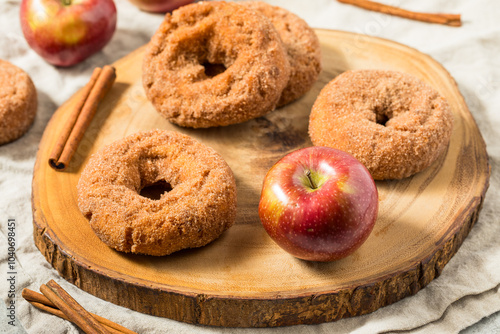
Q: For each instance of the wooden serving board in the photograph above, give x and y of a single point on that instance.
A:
(244, 279)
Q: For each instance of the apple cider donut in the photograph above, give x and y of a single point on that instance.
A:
(18, 102)
(214, 64)
(302, 46)
(394, 123)
(199, 207)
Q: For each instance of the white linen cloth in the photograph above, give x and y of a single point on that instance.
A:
(467, 290)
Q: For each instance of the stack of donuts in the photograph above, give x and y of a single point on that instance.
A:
(220, 63)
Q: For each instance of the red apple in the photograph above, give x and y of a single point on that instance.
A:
(159, 6)
(66, 32)
(319, 203)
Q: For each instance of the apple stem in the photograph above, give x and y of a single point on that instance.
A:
(311, 181)
(67, 2)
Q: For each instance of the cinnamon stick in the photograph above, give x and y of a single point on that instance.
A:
(58, 313)
(43, 303)
(447, 19)
(74, 311)
(79, 120)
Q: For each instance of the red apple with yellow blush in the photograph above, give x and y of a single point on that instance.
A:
(66, 32)
(319, 204)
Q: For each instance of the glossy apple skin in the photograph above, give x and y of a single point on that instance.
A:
(159, 6)
(66, 34)
(323, 224)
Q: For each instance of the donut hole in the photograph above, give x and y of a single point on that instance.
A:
(156, 190)
(212, 70)
(381, 119)
(382, 114)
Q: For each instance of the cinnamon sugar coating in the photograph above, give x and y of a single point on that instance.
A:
(302, 46)
(18, 102)
(392, 122)
(200, 206)
(214, 64)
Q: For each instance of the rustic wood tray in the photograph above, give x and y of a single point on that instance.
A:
(244, 279)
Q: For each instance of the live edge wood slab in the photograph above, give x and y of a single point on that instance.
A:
(243, 279)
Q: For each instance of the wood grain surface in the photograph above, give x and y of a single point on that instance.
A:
(244, 279)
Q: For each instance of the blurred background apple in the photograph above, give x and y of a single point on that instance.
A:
(159, 6)
(66, 32)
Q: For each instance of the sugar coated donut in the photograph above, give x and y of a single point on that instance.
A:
(302, 46)
(199, 207)
(394, 123)
(18, 102)
(214, 64)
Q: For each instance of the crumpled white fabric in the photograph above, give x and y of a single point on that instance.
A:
(467, 290)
